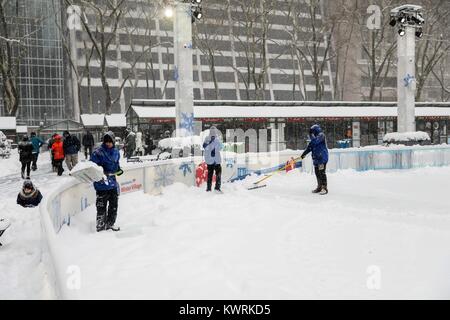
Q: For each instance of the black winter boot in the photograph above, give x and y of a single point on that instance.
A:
(317, 190)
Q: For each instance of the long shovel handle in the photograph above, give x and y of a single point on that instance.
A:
(281, 169)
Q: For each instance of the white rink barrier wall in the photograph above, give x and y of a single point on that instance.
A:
(151, 177)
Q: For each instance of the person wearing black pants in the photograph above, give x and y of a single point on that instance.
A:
(217, 168)
(321, 175)
(37, 144)
(213, 159)
(107, 156)
(318, 147)
(25, 156)
(88, 143)
(106, 203)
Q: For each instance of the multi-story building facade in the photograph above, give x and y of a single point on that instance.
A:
(241, 50)
(41, 75)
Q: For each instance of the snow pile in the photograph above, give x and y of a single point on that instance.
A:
(180, 142)
(87, 171)
(23, 275)
(5, 146)
(406, 136)
(11, 165)
(376, 235)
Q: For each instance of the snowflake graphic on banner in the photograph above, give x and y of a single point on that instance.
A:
(164, 176)
(408, 79)
(187, 122)
(185, 167)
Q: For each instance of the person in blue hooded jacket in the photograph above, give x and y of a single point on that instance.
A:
(318, 147)
(213, 159)
(107, 156)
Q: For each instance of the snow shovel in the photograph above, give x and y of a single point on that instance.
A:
(256, 184)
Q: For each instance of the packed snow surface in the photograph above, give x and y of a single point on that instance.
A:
(376, 235)
(22, 273)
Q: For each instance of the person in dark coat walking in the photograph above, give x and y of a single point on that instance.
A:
(25, 155)
(319, 149)
(71, 148)
(88, 143)
(107, 156)
(130, 143)
(37, 144)
(29, 196)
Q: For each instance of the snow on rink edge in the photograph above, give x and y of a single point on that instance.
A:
(377, 235)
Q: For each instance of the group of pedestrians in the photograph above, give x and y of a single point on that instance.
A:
(62, 148)
(65, 147)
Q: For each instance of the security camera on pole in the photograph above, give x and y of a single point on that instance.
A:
(184, 14)
(409, 21)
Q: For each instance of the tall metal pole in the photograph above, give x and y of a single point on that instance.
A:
(406, 83)
(184, 87)
(74, 58)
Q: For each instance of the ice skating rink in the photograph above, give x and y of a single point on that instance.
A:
(376, 235)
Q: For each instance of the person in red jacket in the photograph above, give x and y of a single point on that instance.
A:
(58, 153)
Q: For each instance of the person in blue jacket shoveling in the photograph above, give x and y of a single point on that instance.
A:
(107, 156)
(318, 147)
(213, 159)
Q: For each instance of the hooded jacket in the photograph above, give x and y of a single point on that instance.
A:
(71, 144)
(212, 147)
(25, 150)
(29, 200)
(130, 141)
(317, 145)
(37, 144)
(108, 159)
(88, 140)
(57, 148)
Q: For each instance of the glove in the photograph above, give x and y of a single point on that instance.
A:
(119, 172)
(302, 157)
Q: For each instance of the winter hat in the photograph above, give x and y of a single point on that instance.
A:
(66, 133)
(213, 131)
(315, 129)
(27, 184)
(109, 137)
(33, 134)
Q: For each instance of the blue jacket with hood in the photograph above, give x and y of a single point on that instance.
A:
(108, 159)
(317, 145)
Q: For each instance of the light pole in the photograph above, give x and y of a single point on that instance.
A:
(74, 24)
(184, 14)
(409, 19)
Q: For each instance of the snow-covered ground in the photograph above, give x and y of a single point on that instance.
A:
(376, 235)
(22, 274)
